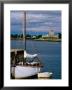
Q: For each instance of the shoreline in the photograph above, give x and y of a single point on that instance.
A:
(58, 40)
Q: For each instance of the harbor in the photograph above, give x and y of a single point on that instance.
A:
(30, 57)
(50, 59)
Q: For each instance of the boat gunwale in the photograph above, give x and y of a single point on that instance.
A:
(28, 65)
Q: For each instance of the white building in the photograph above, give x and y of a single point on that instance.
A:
(50, 35)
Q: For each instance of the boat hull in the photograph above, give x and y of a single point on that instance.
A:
(24, 71)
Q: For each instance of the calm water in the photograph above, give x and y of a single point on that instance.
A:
(49, 53)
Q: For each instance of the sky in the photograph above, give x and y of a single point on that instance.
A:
(37, 22)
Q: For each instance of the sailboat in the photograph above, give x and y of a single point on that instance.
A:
(24, 68)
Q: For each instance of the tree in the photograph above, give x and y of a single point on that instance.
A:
(59, 35)
(21, 35)
(28, 36)
(39, 36)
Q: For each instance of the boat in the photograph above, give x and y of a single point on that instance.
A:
(43, 75)
(21, 66)
(20, 69)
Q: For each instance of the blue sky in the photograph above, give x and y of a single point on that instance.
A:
(38, 22)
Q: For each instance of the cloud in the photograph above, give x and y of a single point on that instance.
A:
(37, 21)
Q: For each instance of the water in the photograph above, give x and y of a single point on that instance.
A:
(48, 52)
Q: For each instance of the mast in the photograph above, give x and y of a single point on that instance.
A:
(24, 32)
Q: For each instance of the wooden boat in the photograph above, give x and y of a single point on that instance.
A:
(20, 69)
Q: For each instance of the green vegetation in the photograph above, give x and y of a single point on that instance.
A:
(59, 35)
(28, 36)
(16, 36)
(37, 37)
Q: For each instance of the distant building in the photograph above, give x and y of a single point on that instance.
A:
(51, 33)
(34, 37)
(43, 36)
(50, 36)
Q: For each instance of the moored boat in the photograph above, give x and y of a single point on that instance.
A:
(21, 68)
